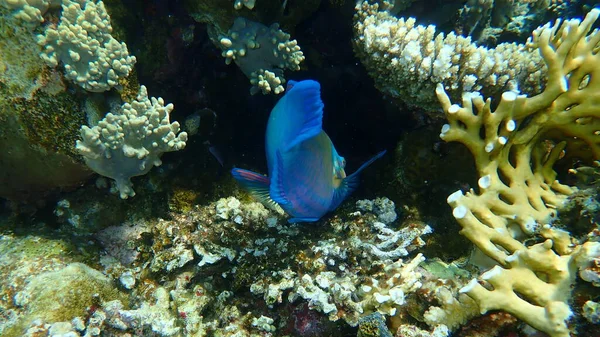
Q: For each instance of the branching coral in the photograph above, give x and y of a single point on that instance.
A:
(518, 190)
(407, 60)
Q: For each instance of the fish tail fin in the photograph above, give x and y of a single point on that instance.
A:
(256, 184)
(350, 183)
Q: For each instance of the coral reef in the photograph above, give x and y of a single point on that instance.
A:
(407, 61)
(488, 22)
(413, 331)
(455, 309)
(591, 311)
(373, 325)
(252, 38)
(42, 281)
(214, 256)
(192, 255)
(39, 119)
(220, 16)
(518, 190)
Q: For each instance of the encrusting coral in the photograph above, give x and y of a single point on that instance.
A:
(515, 147)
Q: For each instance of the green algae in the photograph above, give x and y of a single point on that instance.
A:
(40, 120)
(51, 121)
(182, 199)
(37, 151)
(129, 87)
(62, 295)
(44, 275)
(21, 68)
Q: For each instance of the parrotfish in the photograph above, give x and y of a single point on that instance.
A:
(306, 174)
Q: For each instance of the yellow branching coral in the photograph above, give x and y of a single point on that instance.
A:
(518, 191)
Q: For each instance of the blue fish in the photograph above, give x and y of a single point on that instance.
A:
(306, 174)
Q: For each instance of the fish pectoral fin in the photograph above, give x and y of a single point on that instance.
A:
(296, 220)
(257, 185)
(342, 192)
(367, 163)
(306, 96)
(350, 183)
(276, 189)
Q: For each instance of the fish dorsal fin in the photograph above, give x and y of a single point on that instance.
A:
(290, 85)
(350, 183)
(257, 185)
(305, 98)
(276, 189)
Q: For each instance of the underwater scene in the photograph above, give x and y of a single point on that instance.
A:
(285, 168)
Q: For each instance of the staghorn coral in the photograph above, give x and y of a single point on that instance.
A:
(518, 190)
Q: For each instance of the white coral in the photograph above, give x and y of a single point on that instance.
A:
(82, 41)
(262, 53)
(29, 10)
(129, 143)
(408, 60)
